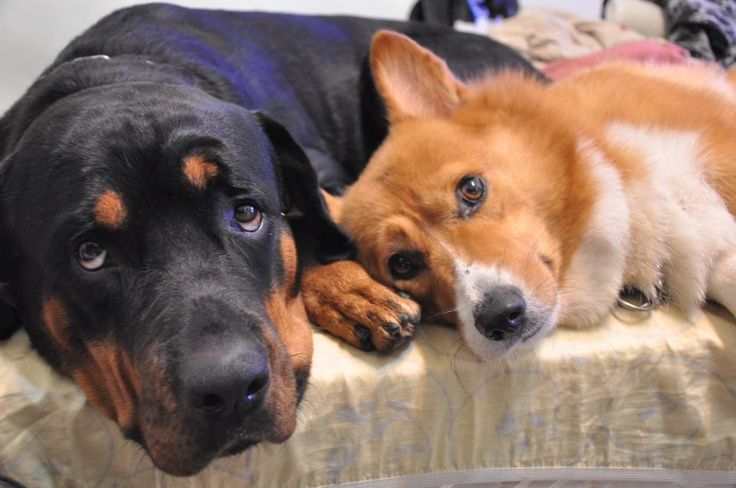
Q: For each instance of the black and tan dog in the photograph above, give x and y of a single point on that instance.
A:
(145, 247)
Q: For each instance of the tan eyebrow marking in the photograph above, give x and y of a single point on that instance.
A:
(110, 210)
(198, 171)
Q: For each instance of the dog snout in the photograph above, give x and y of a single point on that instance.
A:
(226, 382)
(501, 314)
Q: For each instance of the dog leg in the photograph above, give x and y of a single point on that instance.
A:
(722, 281)
(344, 300)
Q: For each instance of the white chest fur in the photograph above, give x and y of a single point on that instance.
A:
(668, 229)
(595, 274)
(679, 225)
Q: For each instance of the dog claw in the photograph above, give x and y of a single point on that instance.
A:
(362, 311)
(363, 334)
(393, 329)
(410, 319)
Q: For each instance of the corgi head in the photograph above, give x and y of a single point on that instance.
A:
(467, 204)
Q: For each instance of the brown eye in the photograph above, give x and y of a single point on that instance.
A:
(247, 217)
(471, 192)
(406, 265)
(472, 188)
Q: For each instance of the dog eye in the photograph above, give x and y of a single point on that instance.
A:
(405, 265)
(472, 188)
(247, 217)
(471, 192)
(91, 255)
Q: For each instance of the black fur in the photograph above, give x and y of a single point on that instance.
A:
(120, 108)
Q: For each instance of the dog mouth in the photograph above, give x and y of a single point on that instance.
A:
(523, 337)
(187, 453)
(237, 448)
(496, 345)
(183, 458)
(180, 443)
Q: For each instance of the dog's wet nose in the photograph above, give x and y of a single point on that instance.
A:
(501, 314)
(227, 381)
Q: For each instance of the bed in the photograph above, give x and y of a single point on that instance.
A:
(647, 398)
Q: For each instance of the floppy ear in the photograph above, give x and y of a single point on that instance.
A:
(9, 316)
(412, 80)
(301, 191)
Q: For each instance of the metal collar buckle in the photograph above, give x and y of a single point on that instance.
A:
(633, 299)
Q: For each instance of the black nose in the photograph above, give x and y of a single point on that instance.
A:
(502, 313)
(226, 380)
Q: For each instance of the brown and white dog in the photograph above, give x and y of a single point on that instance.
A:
(508, 207)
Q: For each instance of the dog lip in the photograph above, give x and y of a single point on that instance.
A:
(237, 447)
(183, 464)
(497, 335)
(192, 462)
(134, 434)
(188, 457)
(184, 469)
(529, 334)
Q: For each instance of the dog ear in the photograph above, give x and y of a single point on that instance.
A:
(9, 315)
(301, 192)
(413, 81)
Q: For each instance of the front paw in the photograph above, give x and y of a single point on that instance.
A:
(344, 300)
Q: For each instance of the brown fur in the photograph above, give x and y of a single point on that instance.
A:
(103, 371)
(286, 310)
(289, 350)
(334, 205)
(408, 165)
(280, 398)
(389, 58)
(523, 138)
(363, 303)
(198, 171)
(110, 382)
(56, 320)
(110, 210)
(713, 116)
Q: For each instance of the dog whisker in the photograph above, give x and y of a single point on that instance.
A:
(438, 314)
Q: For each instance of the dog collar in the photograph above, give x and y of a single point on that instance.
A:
(6, 295)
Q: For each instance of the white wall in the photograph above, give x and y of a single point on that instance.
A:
(589, 9)
(32, 32)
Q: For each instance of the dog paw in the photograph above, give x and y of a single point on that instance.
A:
(344, 300)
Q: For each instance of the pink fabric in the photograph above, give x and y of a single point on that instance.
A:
(644, 51)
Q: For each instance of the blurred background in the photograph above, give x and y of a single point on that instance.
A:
(32, 32)
(557, 36)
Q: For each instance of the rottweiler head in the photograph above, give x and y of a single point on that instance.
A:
(146, 252)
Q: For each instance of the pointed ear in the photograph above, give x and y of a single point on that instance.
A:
(301, 193)
(412, 80)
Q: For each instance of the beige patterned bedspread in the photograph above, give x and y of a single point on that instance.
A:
(647, 393)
